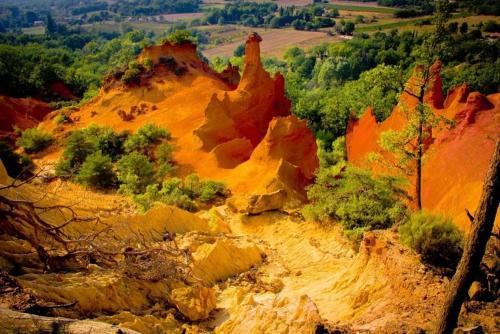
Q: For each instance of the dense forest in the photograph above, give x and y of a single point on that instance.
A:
(24, 13)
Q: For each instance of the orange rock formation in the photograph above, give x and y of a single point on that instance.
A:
(239, 132)
(23, 113)
(457, 157)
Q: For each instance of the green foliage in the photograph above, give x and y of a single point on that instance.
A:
(16, 165)
(97, 172)
(404, 144)
(483, 77)
(145, 138)
(355, 198)
(90, 154)
(435, 238)
(132, 74)
(135, 172)
(240, 50)
(205, 190)
(148, 64)
(34, 140)
(78, 148)
(106, 140)
(84, 142)
(164, 160)
(483, 7)
(29, 64)
(28, 70)
(246, 13)
(335, 155)
(163, 153)
(182, 193)
(180, 36)
(60, 119)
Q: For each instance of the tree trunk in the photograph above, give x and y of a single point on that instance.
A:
(420, 141)
(475, 247)
(418, 181)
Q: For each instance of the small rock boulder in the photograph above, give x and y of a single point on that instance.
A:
(476, 291)
(224, 258)
(255, 204)
(279, 316)
(470, 330)
(194, 302)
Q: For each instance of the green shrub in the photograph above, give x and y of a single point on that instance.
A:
(61, 119)
(435, 238)
(336, 155)
(133, 74)
(78, 148)
(16, 165)
(163, 156)
(97, 172)
(205, 190)
(34, 140)
(148, 198)
(164, 153)
(106, 140)
(209, 190)
(147, 64)
(171, 193)
(84, 142)
(145, 138)
(181, 193)
(135, 172)
(180, 36)
(356, 199)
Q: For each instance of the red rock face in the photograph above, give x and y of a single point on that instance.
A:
(457, 157)
(23, 113)
(247, 111)
(252, 124)
(289, 139)
(60, 89)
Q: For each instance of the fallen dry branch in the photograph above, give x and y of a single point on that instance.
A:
(63, 240)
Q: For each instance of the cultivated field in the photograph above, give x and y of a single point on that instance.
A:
(275, 42)
(34, 30)
(356, 3)
(181, 16)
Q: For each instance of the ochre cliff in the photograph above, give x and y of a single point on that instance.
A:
(456, 156)
(240, 132)
(23, 113)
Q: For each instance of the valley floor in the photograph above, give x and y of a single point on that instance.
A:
(309, 275)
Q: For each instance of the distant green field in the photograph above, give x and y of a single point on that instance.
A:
(34, 30)
(402, 23)
(363, 8)
(392, 25)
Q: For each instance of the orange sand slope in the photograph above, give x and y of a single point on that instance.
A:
(23, 113)
(456, 158)
(239, 132)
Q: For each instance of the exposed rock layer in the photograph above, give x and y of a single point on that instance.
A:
(241, 134)
(23, 113)
(457, 156)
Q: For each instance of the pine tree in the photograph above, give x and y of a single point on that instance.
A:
(407, 146)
